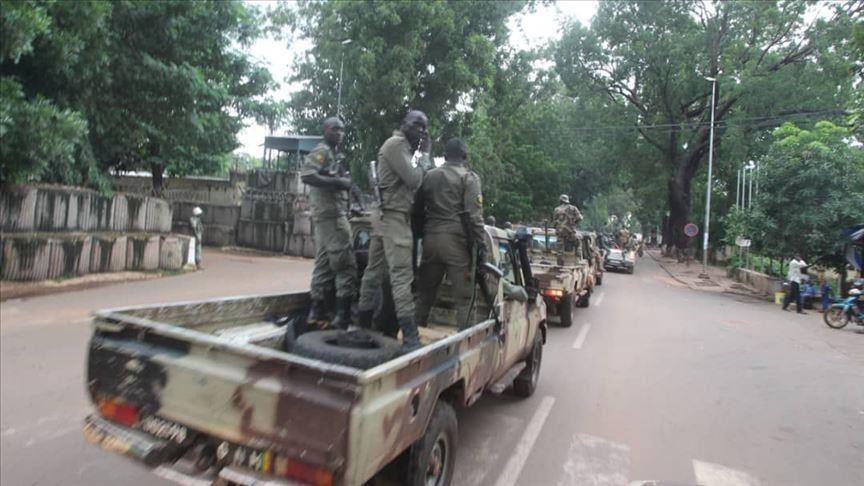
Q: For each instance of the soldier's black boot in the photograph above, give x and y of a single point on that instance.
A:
(343, 313)
(410, 335)
(316, 318)
(364, 319)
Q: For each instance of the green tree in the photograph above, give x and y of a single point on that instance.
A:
(652, 56)
(810, 190)
(45, 54)
(161, 86)
(433, 56)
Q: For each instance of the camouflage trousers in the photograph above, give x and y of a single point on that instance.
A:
(389, 254)
(334, 259)
(445, 253)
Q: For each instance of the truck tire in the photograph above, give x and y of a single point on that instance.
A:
(526, 383)
(432, 458)
(565, 312)
(585, 300)
(358, 349)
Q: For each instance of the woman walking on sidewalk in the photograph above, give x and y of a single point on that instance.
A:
(797, 268)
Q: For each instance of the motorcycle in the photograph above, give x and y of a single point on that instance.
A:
(849, 309)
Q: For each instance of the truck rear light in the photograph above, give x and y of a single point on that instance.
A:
(118, 411)
(557, 293)
(307, 473)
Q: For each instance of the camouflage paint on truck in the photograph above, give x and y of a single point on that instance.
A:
(208, 382)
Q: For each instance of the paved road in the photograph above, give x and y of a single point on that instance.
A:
(653, 382)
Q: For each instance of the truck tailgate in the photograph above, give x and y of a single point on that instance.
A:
(244, 394)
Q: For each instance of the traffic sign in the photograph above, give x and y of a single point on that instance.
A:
(691, 230)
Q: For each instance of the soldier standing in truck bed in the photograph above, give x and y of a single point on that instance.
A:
(399, 176)
(566, 217)
(328, 197)
(452, 205)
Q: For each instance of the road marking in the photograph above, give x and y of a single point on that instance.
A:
(710, 474)
(53, 435)
(514, 466)
(595, 461)
(599, 299)
(180, 478)
(583, 333)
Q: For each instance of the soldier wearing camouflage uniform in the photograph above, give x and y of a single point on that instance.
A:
(449, 194)
(399, 176)
(566, 217)
(328, 197)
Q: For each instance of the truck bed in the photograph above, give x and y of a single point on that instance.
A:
(215, 368)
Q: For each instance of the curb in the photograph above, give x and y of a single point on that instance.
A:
(691, 287)
(660, 264)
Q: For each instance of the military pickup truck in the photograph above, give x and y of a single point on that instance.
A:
(566, 279)
(204, 392)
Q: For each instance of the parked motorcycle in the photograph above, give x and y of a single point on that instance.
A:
(850, 309)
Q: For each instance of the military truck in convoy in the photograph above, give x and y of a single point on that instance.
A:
(206, 391)
(566, 279)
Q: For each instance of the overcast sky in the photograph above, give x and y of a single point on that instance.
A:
(526, 31)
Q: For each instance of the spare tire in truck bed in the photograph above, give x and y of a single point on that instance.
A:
(358, 349)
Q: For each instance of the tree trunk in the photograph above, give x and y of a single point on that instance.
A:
(157, 170)
(679, 210)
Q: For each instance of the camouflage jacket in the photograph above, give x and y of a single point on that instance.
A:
(326, 202)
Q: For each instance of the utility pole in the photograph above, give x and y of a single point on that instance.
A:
(341, 66)
(708, 189)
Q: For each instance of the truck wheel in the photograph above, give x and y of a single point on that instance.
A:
(358, 349)
(432, 458)
(566, 310)
(585, 300)
(525, 384)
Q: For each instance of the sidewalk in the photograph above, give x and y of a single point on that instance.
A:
(689, 275)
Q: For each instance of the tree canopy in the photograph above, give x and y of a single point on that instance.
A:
(811, 184)
(97, 86)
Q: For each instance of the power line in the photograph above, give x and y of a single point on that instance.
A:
(740, 122)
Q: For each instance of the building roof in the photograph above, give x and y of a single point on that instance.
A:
(292, 143)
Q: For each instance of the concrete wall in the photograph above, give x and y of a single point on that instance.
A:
(41, 256)
(64, 209)
(220, 222)
(258, 209)
(764, 284)
(50, 232)
(213, 190)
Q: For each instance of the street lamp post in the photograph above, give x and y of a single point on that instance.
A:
(738, 190)
(341, 66)
(708, 190)
(750, 166)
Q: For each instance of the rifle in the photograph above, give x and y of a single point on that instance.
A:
(342, 171)
(478, 264)
(373, 178)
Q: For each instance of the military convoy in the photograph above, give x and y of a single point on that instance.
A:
(566, 279)
(218, 391)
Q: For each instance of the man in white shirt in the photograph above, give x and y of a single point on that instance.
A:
(796, 272)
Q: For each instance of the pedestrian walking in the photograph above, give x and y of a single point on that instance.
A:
(797, 269)
(402, 161)
(328, 197)
(198, 231)
(450, 203)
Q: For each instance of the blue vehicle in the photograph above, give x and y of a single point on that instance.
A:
(849, 309)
